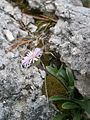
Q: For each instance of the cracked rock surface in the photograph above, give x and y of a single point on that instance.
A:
(71, 37)
(20, 89)
(49, 5)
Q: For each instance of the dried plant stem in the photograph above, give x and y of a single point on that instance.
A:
(44, 18)
(21, 41)
(46, 89)
(47, 17)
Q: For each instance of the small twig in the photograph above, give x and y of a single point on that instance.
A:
(44, 18)
(22, 41)
(39, 18)
(51, 54)
(46, 90)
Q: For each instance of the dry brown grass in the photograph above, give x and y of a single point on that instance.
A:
(20, 42)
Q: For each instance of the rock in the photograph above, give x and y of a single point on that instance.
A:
(12, 21)
(42, 108)
(1, 111)
(32, 28)
(71, 37)
(49, 5)
(36, 4)
(20, 89)
(76, 2)
(8, 35)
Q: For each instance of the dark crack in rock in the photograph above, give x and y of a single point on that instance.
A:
(71, 37)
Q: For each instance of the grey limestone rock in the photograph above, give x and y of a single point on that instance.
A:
(20, 89)
(36, 4)
(71, 37)
(49, 5)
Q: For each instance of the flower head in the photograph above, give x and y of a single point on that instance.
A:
(31, 57)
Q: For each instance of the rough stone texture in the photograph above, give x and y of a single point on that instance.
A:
(10, 19)
(20, 89)
(71, 37)
(49, 5)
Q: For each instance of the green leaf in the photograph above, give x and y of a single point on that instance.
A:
(85, 104)
(62, 74)
(52, 70)
(55, 72)
(58, 116)
(76, 115)
(70, 76)
(69, 105)
(58, 98)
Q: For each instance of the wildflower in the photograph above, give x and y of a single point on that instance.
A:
(31, 57)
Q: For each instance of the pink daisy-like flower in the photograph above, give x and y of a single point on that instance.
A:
(31, 57)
